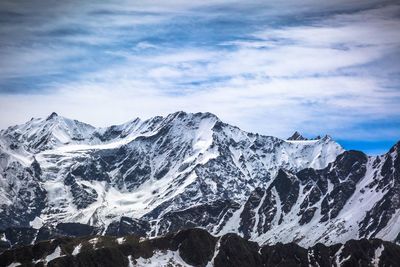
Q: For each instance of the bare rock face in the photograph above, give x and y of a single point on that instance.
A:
(296, 136)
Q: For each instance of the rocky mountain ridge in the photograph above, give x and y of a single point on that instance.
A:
(193, 170)
(196, 247)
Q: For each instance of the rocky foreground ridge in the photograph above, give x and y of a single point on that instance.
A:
(196, 247)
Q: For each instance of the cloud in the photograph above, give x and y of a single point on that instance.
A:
(273, 68)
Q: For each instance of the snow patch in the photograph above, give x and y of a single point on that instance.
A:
(77, 250)
(3, 237)
(130, 261)
(56, 254)
(162, 258)
(378, 253)
(36, 223)
(216, 251)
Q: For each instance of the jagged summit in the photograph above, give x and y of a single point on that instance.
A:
(52, 116)
(54, 120)
(189, 116)
(41, 134)
(395, 148)
(296, 136)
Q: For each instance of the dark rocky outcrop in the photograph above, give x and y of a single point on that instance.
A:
(296, 136)
(127, 226)
(197, 247)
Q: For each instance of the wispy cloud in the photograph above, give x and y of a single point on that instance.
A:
(268, 67)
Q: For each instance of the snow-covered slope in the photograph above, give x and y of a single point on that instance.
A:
(355, 196)
(161, 175)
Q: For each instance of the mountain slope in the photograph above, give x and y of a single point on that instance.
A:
(153, 167)
(355, 196)
(185, 170)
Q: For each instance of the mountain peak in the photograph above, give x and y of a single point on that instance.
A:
(52, 115)
(395, 148)
(190, 114)
(42, 134)
(297, 137)
(192, 117)
(326, 138)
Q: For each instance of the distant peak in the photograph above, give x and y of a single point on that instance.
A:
(52, 115)
(395, 148)
(297, 137)
(327, 137)
(180, 114)
(206, 115)
(183, 114)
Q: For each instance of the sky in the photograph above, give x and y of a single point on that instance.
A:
(272, 67)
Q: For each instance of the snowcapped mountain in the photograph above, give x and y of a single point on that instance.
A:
(41, 134)
(355, 196)
(185, 170)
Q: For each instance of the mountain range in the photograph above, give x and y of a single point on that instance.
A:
(59, 177)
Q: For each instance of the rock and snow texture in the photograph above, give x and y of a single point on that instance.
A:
(41, 134)
(186, 170)
(196, 247)
(162, 258)
(296, 136)
(355, 196)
